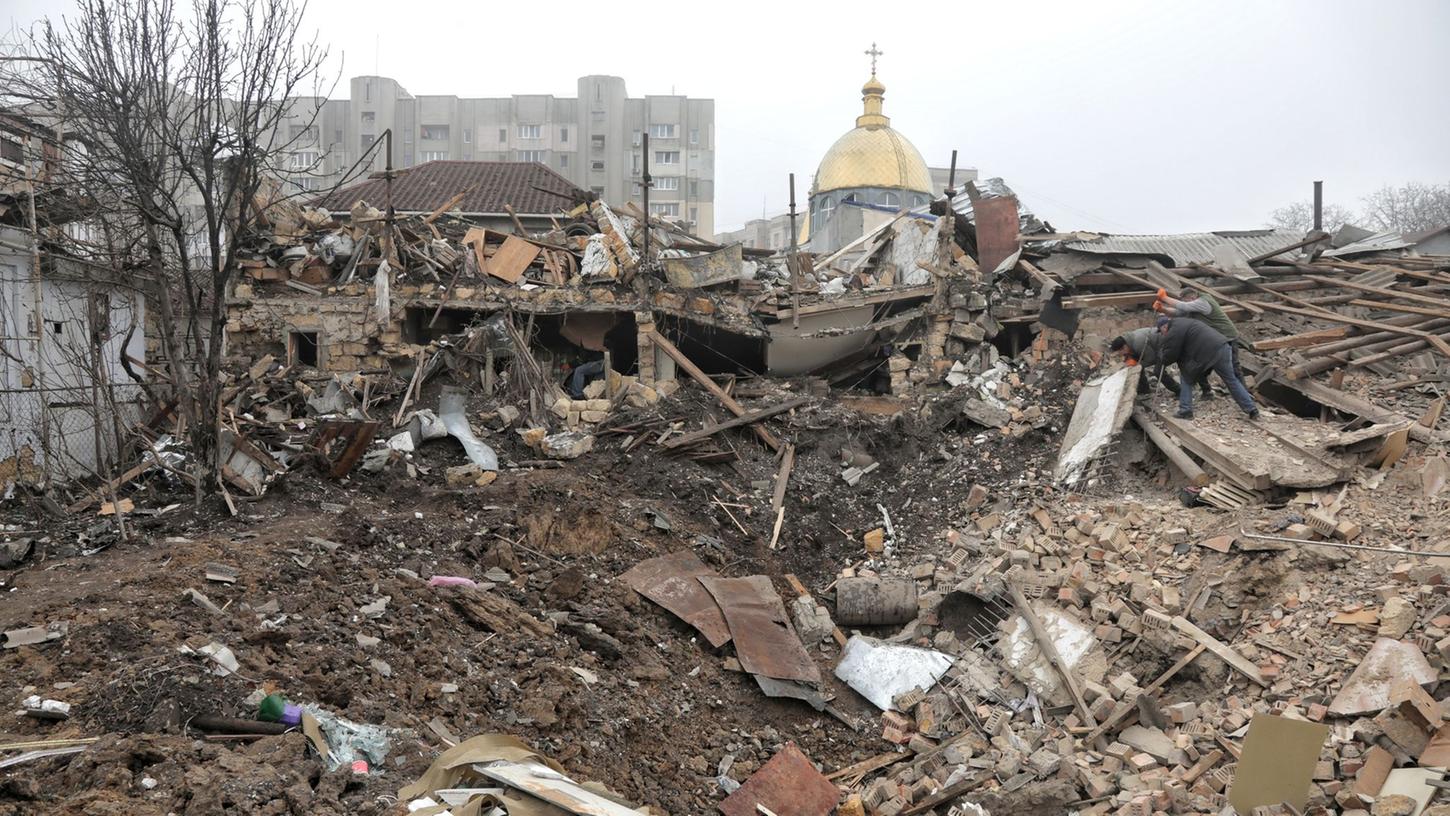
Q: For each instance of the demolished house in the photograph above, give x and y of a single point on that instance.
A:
(566, 514)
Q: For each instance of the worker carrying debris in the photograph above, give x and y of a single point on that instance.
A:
(1202, 307)
(1198, 349)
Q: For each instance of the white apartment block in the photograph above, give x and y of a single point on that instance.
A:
(594, 139)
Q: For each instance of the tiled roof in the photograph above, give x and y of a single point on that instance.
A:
(529, 187)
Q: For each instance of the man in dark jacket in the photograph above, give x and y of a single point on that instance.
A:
(1198, 349)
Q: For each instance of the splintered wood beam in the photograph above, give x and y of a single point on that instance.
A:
(1171, 449)
(743, 419)
(1223, 650)
(709, 385)
(1332, 317)
(1379, 290)
(1303, 339)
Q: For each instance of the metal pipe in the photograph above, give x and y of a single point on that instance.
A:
(1318, 206)
(644, 163)
(1344, 546)
(388, 215)
(794, 263)
(952, 177)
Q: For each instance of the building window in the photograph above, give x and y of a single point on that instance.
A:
(503, 135)
(369, 117)
(667, 183)
(467, 136)
(366, 141)
(637, 140)
(337, 136)
(302, 348)
(432, 155)
(304, 132)
(597, 142)
(563, 135)
(598, 92)
(531, 155)
(662, 131)
(367, 90)
(598, 166)
(694, 136)
(827, 207)
(563, 161)
(638, 189)
(667, 157)
(890, 199)
(308, 184)
(531, 131)
(669, 208)
(599, 191)
(695, 214)
(634, 163)
(305, 159)
(438, 133)
(694, 188)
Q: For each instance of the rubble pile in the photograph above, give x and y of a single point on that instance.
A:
(606, 518)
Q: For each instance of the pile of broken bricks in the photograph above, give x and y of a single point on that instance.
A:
(1136, 730)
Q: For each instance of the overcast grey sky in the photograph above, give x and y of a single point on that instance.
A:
(1121, 116)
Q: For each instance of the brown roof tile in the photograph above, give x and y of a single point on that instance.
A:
(529, 187)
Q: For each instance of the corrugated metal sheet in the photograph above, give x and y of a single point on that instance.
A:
(1378, 242)
(1191, 247)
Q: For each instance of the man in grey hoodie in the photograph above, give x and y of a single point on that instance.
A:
(1198, 349)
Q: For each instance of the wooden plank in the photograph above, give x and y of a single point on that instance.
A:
(1332, 317)
(511, 259)
(848, 302)
(1248, 306)
(89, 499)
(1379, 290)
(866, 766)
(709, 385)
(1218, 647)
(742, 419)
(1351, 404)
(1049, 649)
(1400, 307)
(1208, 452)
(448, 205)
(1170, 449)
(782, 479)
(1309, 338)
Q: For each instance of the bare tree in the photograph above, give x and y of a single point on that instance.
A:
(1412, 207)
(179, 114)
(1299, 216)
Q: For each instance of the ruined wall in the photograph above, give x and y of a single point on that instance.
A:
(344, 322)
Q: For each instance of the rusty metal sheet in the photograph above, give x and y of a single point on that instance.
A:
(997, 231)
(1367, 690)
(765, 641)
(672, 581)
(707, 269)
(788, 785)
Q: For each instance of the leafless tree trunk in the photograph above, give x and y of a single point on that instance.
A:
(179, 114)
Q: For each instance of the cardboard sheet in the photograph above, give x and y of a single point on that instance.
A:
(1277, 763)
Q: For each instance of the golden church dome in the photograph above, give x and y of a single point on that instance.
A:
(872, 154)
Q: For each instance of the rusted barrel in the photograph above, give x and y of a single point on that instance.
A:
(875, 601)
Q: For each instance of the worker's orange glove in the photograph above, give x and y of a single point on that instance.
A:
(1162, 293)
(1132, 361)
(1158, 306)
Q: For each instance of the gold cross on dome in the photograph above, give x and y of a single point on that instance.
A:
(873, 54)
